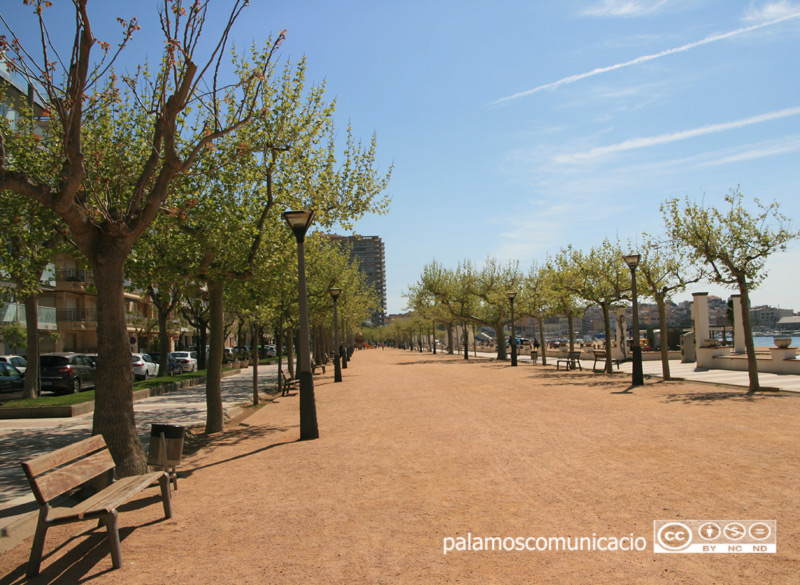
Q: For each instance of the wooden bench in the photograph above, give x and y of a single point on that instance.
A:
(601, 356)
(573, 359)
(286, 381)
(57, 473)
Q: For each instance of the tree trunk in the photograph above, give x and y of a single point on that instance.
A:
(570, 324)
(113, 407)
(607, 325)
(32, 331)
(163, 340)
(543, 344)
(501, 341)
(466, 342)
(752, 364)
(279, 351)
(202, 339)
(290, 352)
(449, 328)
(214, 414)
(255, 331)
(662, 322)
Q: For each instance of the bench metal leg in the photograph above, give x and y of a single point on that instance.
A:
(110, 520)
(37, 548)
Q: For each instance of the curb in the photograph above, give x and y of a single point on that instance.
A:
(87, 407)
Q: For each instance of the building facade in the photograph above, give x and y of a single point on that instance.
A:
(369, 251)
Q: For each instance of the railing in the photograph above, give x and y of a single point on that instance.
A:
(74, 275)
(15, 313)
(76, 314)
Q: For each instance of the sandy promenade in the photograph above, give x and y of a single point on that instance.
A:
(416, 449)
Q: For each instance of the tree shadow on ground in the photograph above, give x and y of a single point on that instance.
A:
(559, 378)
(711, 397)
(195, 441)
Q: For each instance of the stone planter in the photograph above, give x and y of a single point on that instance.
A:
(782, 342)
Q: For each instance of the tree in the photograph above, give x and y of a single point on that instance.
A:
(735, 243)
(541, 299)
(29, 235)
(663, 272)
(599, 276)
(122, 142)
(286, 159)
(562, 279)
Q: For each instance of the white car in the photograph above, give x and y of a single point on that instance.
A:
(187, 360)
(15, 360)
(143, 366)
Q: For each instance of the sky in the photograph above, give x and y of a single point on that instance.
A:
(518, 127)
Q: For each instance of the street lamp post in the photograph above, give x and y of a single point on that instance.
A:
(511, 296)
(637, 379)
(299, 222)
(337, 366)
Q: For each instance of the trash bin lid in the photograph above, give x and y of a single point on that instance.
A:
(170, 431)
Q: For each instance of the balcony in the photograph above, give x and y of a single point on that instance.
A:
(15, 313)
(76, 315)
(73, 279)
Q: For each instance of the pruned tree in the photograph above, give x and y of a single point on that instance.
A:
(122, 142)
(663, 272)
(599, 276)
(734, 242)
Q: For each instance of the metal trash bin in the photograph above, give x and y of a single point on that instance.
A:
(166, 449)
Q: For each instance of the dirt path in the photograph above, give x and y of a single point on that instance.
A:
(417, 448)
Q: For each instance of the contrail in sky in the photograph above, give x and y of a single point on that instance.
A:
(635, 143)
(645, 58)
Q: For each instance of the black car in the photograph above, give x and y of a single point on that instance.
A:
(65, 373)
(173, 367)
(11, 380)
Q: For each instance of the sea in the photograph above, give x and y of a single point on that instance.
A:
(769, 341)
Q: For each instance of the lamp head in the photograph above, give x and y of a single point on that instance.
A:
(334, 292)
(632, 260)
(299, 222)
(511, 295)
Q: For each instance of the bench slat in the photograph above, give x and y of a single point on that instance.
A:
(71, 476)
(106, 500)
(48, 461)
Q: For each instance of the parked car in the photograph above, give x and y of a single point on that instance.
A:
(187, 360)
(173, 367)
(15, 360)
(143, 366)
(66, 372)
(11, 379)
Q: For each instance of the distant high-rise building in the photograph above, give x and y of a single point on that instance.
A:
(372, 263)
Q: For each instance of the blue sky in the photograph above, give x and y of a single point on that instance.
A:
(517, 127)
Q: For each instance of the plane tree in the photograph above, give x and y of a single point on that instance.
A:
(663, 272)
(30, 236)
(734, 242)
(122, 141)
(286, 159)
(599, 276)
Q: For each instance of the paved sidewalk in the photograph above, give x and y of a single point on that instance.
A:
(23, 439)
(786, 382)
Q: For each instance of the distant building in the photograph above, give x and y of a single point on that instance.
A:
(768, 317)
(369, 252)
(791, 323)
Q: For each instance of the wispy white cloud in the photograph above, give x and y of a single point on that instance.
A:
(645, 58)
(760, 12)
(624, 8)
(755, 151)
(645, 142)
